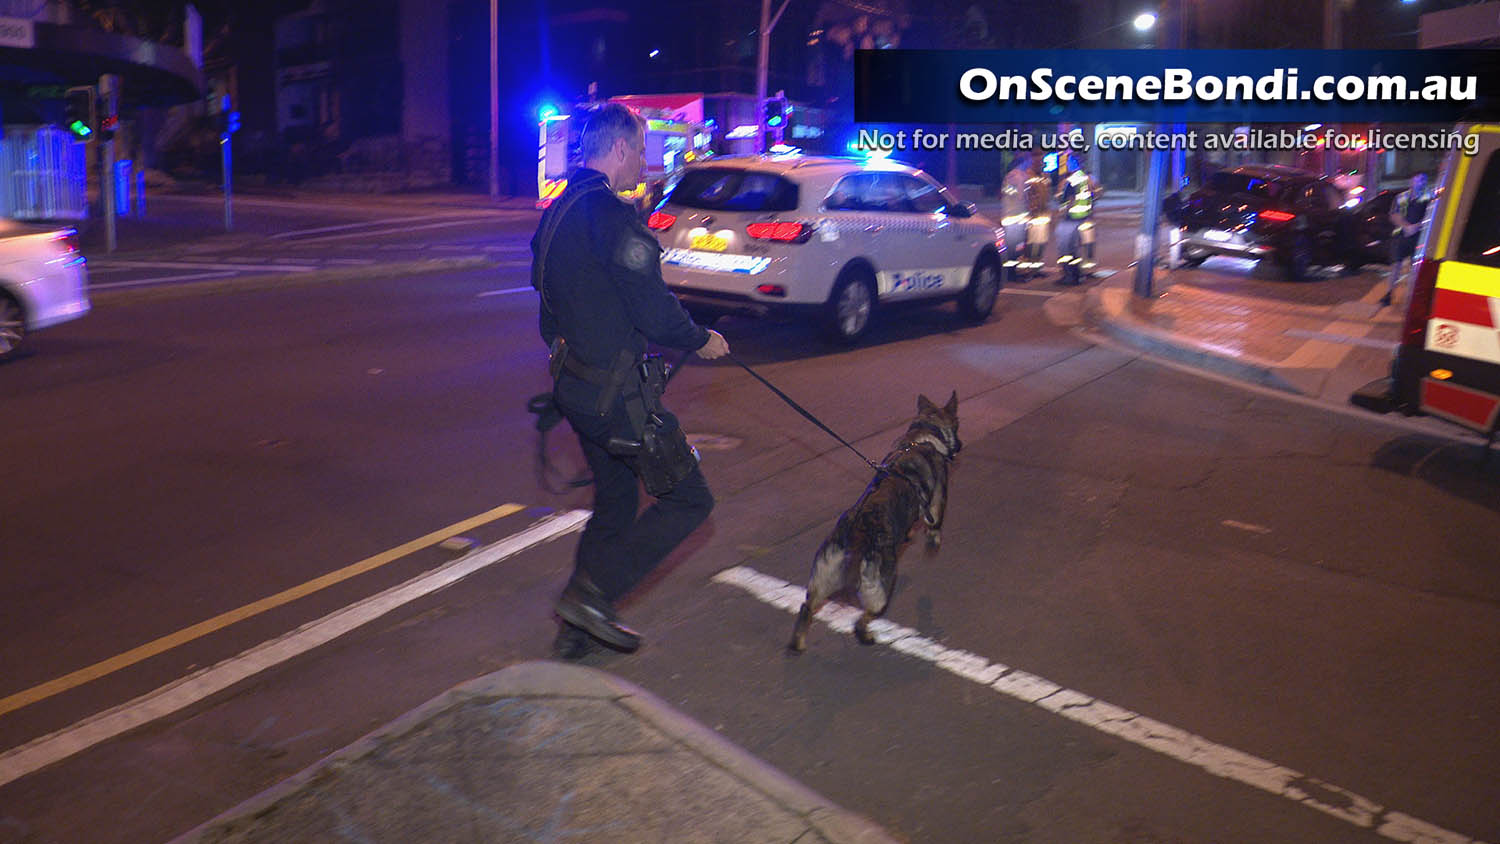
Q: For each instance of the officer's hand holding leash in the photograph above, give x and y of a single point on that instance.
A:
(716, 347)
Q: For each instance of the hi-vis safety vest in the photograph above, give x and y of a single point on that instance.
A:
(1078, 196)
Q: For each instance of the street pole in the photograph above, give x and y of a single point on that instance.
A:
(494, 99)
(1333, 39)
(226, 153)
(762, 68)
(1145, 240)
(109, 98)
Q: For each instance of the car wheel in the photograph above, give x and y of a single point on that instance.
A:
(1193, 259)
(851, 306)
(1299, 259)
(978, 299)
(12, 326)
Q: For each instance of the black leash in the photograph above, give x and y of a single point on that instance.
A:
(806, 415)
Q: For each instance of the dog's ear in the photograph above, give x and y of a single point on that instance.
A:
(924, 404)
(952, 406)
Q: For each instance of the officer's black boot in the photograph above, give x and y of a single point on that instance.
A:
(572, 643)
(583, 606)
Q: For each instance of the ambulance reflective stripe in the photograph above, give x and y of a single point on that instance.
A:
(1460, 404)
(1469, 278)
(1465, 315)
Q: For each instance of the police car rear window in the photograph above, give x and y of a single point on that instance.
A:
(1227, 182)
(728, 189)
(1481, 241)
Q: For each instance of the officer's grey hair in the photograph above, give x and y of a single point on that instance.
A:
(607, 124)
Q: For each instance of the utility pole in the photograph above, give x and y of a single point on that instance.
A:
(762, 68)
(1145, 241)
(494, 99)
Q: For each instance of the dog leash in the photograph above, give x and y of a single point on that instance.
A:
(806, 415)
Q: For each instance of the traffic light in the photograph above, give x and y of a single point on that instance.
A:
(80, 115)
(230, 123)
(775, 110)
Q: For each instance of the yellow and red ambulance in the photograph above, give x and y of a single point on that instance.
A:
(674, 139)
(1448, 362)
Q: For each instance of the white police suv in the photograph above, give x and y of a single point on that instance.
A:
(829, 238)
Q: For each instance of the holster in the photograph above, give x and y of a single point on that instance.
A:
(661, 456)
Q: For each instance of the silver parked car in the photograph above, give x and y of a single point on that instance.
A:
(830, 238)
(43, 281)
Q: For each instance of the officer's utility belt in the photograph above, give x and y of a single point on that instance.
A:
(659, 452)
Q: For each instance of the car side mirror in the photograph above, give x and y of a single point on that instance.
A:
(962, 209)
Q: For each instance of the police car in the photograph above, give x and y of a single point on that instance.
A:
(1448, 362)
(829, 238)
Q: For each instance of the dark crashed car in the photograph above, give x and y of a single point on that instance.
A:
(1295, 218)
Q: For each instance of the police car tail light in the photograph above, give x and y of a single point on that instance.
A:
(783, 232)
(1414, 331)
(770, 290)
(661, 221)
(1276, 216)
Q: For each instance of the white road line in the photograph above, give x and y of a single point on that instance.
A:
(41, 752)
(388, 221)
(146, 282)
(505, 292)
(207, 265)
(467, 221)
(241, 199)
(1179, 744)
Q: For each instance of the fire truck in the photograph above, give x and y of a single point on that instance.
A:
(676, 135)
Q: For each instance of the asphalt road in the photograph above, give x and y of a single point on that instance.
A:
(1310, 589)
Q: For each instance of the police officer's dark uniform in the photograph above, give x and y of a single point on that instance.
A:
(603, 294)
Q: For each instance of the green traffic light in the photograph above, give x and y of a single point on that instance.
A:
(80, 129)
(775, 121)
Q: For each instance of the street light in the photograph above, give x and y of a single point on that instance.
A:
(1144, 21)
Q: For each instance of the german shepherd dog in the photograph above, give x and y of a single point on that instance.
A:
(860, 555)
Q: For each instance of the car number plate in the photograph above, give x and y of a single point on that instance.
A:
(710, 242)
(1215, 234)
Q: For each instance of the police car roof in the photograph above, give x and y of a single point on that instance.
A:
(786, 163)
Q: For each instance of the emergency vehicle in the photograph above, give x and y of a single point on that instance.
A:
(1448, 362)
(673, 140)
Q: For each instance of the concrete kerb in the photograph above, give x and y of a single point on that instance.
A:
(545, 679)
(268, 281)
(1108, 307)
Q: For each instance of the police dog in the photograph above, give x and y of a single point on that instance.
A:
(860, 555)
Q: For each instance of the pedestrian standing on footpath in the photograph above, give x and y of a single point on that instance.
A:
(1407, 212)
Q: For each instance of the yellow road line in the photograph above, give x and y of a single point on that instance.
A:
(219, 622)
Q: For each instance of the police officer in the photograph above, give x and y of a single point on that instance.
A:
(1407, 211)
(1038, 192)
(598, 270)
(1075, 230)
(1015, 214)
